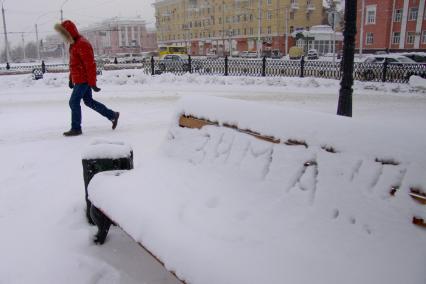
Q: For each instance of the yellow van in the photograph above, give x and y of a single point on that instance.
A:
(295, 53)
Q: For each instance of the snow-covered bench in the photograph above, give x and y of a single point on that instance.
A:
(248, 193)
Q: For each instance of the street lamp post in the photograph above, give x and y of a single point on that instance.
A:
(37, 42)
(286, 29)
(6, 42)
(346, 90)
(62, 19)
(259, 29)
(62, 10)
(36, 32)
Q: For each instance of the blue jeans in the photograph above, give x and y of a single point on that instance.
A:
(83, 91)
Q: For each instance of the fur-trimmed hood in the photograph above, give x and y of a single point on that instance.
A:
(68, 30)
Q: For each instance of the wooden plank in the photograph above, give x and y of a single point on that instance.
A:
(198, 123)
(418, 195)
(419, 222)
(192, 122)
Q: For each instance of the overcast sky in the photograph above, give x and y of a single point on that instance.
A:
(21, 15)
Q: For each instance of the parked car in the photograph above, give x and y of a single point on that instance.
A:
(235, 53)
(248, 54)
(276, 54)
(373, 66)
(177, 63)
(417, 57)
(313, 54)
(132, 58)
(212, 55)
(103, 60)
(295, 53)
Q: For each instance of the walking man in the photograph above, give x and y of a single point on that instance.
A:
(82, 78)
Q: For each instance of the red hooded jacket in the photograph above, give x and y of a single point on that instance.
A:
(82, 60)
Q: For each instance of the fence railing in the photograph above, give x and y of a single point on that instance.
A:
(263, 67)
(266, 67)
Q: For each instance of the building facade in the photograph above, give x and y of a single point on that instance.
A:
(227, 26)
(117, 36)
(394, 25)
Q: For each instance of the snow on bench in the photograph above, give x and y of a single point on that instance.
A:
(248, 193)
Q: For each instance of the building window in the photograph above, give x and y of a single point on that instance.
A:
(411, 36)
(269, 30)
(269, 2)
(412, 14)
(397, 16)
(369, 40)
(396, 37)
(424, 37)
(269, 15)
(371, 15)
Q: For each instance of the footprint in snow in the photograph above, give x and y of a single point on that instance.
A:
(212, 202)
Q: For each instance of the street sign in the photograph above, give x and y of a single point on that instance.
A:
(333, 19)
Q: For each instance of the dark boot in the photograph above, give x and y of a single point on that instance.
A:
(115, 120)
(103, 223)
(73, 132)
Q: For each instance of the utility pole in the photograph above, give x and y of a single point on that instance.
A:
(346, 90)
(37, 42)
(223, 28)
(23, 47)
(286, 30)
(334, 36)
(361, 34)
(62, 19)
(63, 44)
(6, 42)
(259, 30)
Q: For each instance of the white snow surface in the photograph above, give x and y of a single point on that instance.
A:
(45, 239)
(418, 82)
(219, 206)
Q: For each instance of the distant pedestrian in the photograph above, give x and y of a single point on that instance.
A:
(7, 66)
(115, 60)
(43, 67)
(82, 78)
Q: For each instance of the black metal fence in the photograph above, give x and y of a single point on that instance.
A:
(262, 67)
(266, 67)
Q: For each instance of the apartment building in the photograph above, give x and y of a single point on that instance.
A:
(225, 26)
(394, 25)
(121, 35)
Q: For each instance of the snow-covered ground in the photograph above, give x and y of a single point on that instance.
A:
(44, 237)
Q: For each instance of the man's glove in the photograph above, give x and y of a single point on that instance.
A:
(96, 89)
(70, 84)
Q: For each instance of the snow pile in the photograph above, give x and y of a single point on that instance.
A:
(220, 206)
(418, 82)
(138, 77)
(105, 149)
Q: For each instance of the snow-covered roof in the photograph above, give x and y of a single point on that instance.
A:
(319, 32)
(115, 21)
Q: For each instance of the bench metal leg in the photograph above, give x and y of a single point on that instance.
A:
(102, 222)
